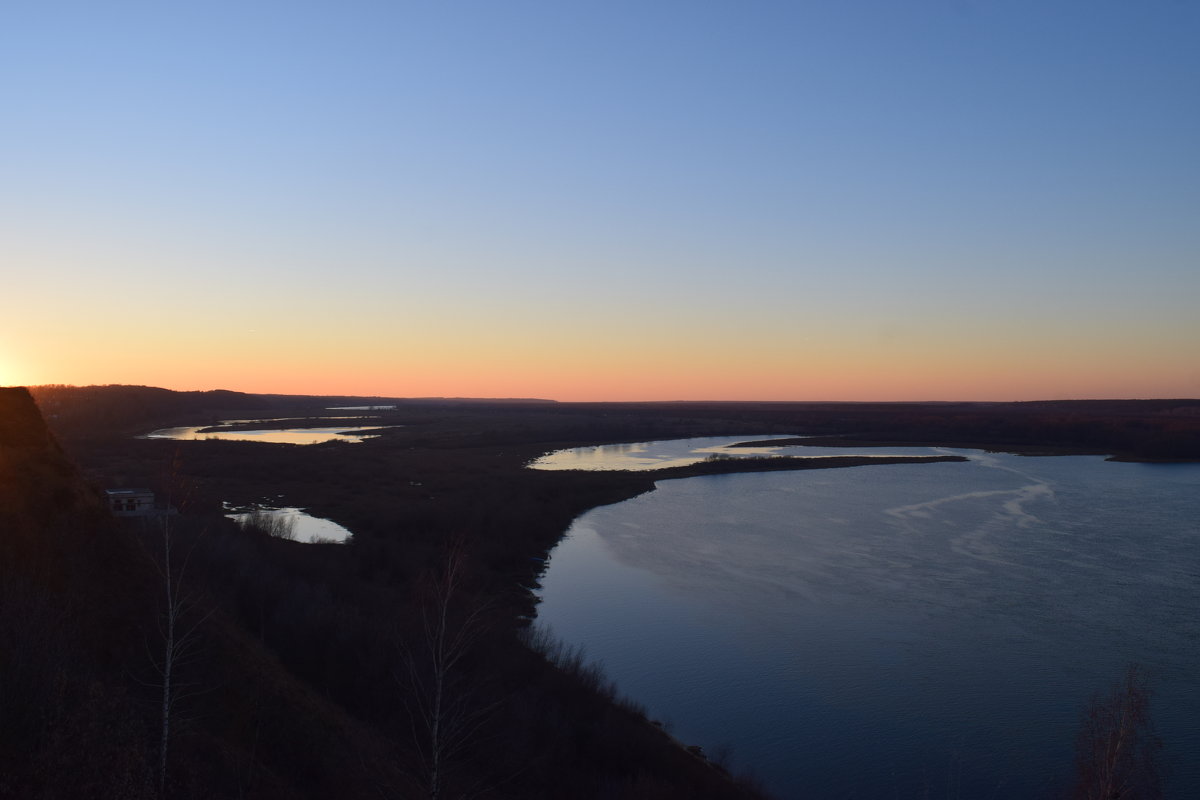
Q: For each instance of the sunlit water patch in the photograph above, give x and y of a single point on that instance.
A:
(291, 523)
(272, 436)
(362, 408)
(683, 452)
(896, 631)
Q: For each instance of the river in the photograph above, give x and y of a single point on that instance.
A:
(923, 630)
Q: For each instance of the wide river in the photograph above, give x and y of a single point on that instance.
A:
(920, 630)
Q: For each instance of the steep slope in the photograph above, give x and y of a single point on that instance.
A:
(81, 604)
(311, 673)
(59, 714)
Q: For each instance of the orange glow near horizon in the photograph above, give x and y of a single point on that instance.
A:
(12, 373)
(339, 215)
(574, 370)
(926, 337)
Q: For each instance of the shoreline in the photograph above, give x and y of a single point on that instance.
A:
(1025, 450)
(729, 466)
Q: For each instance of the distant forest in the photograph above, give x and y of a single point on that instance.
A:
(1135, 429)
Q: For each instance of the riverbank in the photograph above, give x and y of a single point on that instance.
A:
(1015, 449)
(825, 576)
(729, 466)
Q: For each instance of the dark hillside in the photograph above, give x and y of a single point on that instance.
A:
(80, 598)
(66, 728)
(85, 411)
(100, 411)
(310, 671)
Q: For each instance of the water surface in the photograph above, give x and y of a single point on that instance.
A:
(272, 436)
(362, 408)
(640, 456)
(896, 631)
(303, 527)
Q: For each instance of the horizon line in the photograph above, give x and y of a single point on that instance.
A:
(515, 399)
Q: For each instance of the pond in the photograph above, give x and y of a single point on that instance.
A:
(290, 523)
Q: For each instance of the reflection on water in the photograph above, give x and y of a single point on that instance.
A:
(682, 452)
(323, 417)
(276, 436)
(649, 455)
(362, 408)
(875, 631)
(297, 524)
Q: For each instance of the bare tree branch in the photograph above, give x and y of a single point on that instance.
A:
(445, 715)
(1116, 752)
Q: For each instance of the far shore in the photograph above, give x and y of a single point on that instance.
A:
(727, 466)
(988, 447)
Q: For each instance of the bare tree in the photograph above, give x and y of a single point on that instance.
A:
(278, 526)
(445, 712)
(178, 628)
(1116, 753)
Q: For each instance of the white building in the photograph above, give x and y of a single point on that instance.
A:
(130, 502)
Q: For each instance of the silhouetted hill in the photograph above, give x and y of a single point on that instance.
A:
(62, 711)
(304, 671)
(80, 694)
(80, 411)
(117, 410)
(39, 487)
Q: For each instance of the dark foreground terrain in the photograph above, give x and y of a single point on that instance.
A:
(234, 663)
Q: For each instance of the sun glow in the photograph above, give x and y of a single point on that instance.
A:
(21, 371)
(10, 373)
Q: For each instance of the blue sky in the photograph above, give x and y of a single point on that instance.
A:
(678, 194)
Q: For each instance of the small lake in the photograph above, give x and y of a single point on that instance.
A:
(642, 456)
(649, 455)
(272, 436)
(300, 526)
(919, 630)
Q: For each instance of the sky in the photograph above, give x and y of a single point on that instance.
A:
(602, 199)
